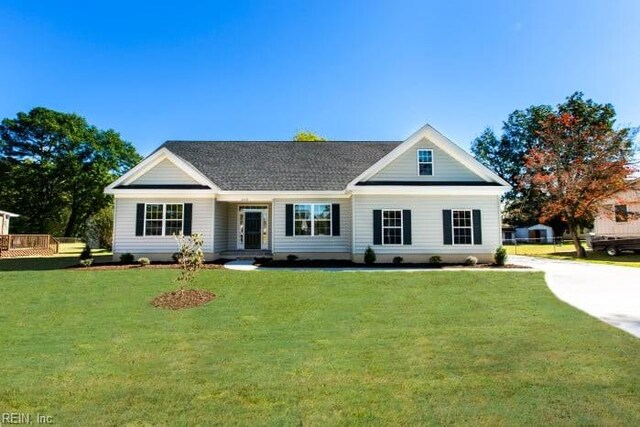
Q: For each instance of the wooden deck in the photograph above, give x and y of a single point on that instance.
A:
(21, 245)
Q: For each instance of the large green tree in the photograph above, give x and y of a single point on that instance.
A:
(520, 135)
(55, 167)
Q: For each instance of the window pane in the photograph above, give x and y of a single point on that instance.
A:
(302, 227)
(154, 228)
(462, 236)
(302, 212)
(424, 156)
(621, 213)
(154, 211)
(392, 218)
(173, 227)
(392, 236)
(426, 169)
(322, 211)
(174, 212)
(322, 228)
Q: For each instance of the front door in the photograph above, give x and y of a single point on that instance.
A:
(252, 230)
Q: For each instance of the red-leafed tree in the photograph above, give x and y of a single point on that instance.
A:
(580, 161)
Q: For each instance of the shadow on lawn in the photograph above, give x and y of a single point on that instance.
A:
(599, 256)
(47, 263)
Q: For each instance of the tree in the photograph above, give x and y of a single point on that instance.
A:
(56, 166)
(579, 161)
(307, 136)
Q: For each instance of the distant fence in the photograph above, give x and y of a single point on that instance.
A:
(559, 240)
(69, 240)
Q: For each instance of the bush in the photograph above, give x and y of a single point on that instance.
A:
(471, 261)
(86, 262)
(127, 258)
(191, 257)
(144, 261)
(86, 253)
(99, 228)
(435, 260)
(500, 257)
(292, 258)
(369, 256)
(176, 257)
(398, 260)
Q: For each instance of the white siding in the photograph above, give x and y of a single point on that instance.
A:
(125, 239)
(221, 235)
(165, 172)
(311, 244)
(426, 223)
(445, 167)
(605, 223)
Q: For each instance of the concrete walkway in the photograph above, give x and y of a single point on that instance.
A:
(608, 292)
(241, 265)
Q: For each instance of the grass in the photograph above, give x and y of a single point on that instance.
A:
(566, 251)
(318, 348)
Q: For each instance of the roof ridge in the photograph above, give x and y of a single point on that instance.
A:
(259, 141)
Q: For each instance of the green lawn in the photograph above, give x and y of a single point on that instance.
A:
(286, 348)
(566, 251)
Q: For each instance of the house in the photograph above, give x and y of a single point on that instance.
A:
(325, 200)
(4, 221)
(508, 234)
(620, 214)
(537, 233)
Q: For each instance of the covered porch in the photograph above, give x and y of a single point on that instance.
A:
(243, 230)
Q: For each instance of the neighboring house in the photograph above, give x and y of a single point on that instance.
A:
(620, 215)
(5, 217)
(421, 197)
(508, 234)
(538, 233)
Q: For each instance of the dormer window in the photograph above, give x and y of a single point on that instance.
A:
(425, 162)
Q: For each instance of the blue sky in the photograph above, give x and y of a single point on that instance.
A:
(347, 70)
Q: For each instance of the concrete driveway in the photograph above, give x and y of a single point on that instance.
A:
(608, 292)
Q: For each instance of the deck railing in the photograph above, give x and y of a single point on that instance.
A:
(11, 242)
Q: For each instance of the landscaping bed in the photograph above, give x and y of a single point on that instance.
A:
(182, 298)
(218, 263)
(338, 263)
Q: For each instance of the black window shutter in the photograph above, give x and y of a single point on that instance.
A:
(188, 219)
(377, 227)
(140, 219)
(406, 227)
(335, 219)
(477, 227)
(289, 220)
(446, 227)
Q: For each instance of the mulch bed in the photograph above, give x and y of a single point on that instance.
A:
(159, 264)
(338, 263)
(182, 298)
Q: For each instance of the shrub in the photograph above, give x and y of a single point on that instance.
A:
(435, 260)
(398, 260)
(471, 261)
(176, 257)
(292, 258)
(86, 253)
(369, 256)
(500, 257)
(127, 258)
(99, 228)
(191, 257)
(86, 262)
(144, 261)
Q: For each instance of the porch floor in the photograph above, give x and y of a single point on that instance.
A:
(247, 254)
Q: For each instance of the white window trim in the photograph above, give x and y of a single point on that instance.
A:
(313, 220)
(432, 162)
(453, 236)
(164, 219)
(401, 227)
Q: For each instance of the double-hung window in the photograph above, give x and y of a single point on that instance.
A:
(312, 219)
(163, 219)
(620, 213)
(391, 226)
(462, 224)
(425, 162)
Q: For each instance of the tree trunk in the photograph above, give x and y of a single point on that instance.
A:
(573, 231)
(71, 227)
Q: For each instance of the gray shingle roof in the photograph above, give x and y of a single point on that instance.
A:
(281, 165)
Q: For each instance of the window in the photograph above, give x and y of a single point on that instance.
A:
(392, 227)
(462, 227)
(163, 219)
(312, 220)
(621, 214)
(425, 162)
